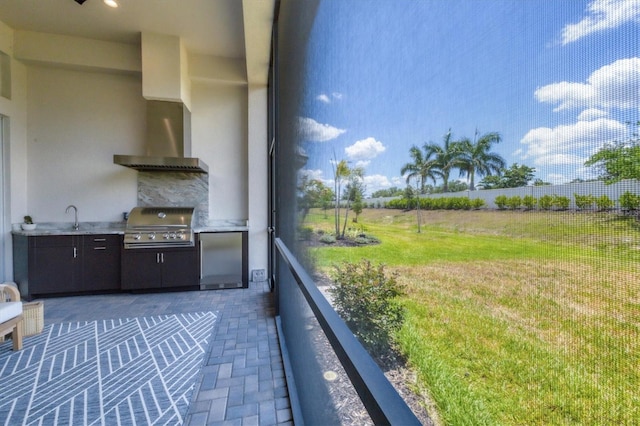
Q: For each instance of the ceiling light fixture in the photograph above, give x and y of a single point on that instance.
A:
(111, 3)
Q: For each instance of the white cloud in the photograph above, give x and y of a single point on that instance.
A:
(311, 174)
(556, 178)
(311, 130)
(376, 182)
(399, 181)
(602, 15)
(323, 97)
(592, 114)
(362, 163)
(570, 144)
(612, 86)
(365, 149)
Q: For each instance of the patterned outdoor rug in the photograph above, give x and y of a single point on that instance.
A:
(116, 372)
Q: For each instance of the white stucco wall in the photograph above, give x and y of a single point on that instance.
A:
(76, 122)
(14, 158)
(219, 137)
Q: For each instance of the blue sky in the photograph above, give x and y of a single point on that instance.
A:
(556, 79)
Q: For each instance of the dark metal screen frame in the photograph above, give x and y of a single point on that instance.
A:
(382, 401)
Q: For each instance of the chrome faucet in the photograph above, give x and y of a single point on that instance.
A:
(76, 225)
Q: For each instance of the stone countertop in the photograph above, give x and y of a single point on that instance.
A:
(222, 225)
(216, 228)
(88, 228)
(62, 228)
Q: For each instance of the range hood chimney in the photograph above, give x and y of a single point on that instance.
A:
(166, 86)
(168, 141)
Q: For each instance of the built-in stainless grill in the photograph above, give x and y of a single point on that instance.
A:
(158, 227)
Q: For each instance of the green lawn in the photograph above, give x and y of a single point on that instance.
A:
(514, 318)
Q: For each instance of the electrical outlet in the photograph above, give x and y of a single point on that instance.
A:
(258, 275)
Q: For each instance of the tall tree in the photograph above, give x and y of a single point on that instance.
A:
(477, 158)
(617, 161)
(341, 172)
(447, 157)
(354, 189)
(421, 168)
(513, 177)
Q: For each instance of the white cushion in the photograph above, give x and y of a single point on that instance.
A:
(9, 310)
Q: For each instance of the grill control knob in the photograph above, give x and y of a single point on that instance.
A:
(137, 236)
(165, 235)
(152, 236)
(181, 236)
(172, 235)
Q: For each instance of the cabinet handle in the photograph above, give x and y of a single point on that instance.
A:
(75, 252)
(157, 257)
(99, 248)
(98, 240)
(162, 257)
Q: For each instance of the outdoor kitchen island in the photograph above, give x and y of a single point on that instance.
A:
(55, 259)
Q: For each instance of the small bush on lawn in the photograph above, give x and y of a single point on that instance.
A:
(546, 202)
(365, 298)
(305, 233)
(561, 202)
(328, 239)
(514, 202)
(584, 202)
(529, 202)
(604, 203)
(366, 239)
(477, 203)
(501, 201)
(629, 201)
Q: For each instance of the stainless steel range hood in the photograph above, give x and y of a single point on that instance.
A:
(168, 141)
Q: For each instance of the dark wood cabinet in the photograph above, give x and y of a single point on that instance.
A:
(54, 264)
(101, 262)
(57, 264)
(159, 268)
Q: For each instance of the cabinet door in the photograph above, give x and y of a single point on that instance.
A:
(55, 267)
(141, 269)
(180, 268)
(101, 262)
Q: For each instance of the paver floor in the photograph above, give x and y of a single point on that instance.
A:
(242, 381)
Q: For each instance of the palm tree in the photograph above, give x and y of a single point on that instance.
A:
(447, 157)
(341, 171)
(478, 159)
(421, 168)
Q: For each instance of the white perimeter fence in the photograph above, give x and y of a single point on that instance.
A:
(596, 188)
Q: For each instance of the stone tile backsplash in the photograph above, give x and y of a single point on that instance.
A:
(175, 189)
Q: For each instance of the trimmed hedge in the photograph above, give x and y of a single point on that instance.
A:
(441, 203)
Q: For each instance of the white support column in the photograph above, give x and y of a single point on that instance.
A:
(257, 179)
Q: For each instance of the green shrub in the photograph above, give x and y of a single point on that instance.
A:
(365, 298)
(584, 202)
(546, 202)
(501, 201)
(629, 201)
(561, 202)
(529, 202)
(514, 202)
(305, 233)
(328, 239)
(477, 203)
(366, 239)
(604, 203)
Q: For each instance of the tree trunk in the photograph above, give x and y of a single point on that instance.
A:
(346, 215)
